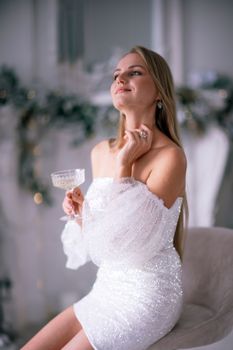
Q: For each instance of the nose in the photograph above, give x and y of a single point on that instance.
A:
(121, 78)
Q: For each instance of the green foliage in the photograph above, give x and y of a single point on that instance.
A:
(211, 102)
(35, 117)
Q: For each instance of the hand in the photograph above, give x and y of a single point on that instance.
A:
(73, 201)
(135, 146)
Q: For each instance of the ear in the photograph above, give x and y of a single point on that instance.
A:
(158, 98)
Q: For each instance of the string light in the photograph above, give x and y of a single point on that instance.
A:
(38, 198)
(39, 283)
(36, 151)
(31, 94)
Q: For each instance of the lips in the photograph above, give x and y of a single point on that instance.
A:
(121, 90)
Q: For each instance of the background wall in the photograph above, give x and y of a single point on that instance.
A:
(112, 24)
(207, 35)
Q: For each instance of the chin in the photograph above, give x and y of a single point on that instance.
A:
(121, 105)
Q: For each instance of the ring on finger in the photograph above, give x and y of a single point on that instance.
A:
(143, 134)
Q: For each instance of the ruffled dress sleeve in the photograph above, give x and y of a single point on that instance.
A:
(74, 245)
(131, 225)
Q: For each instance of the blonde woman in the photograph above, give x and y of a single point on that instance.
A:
(132, 221)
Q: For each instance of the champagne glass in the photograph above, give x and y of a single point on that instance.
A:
(68, 180)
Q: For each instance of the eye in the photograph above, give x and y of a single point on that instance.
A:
(115, 77)
(135, 72)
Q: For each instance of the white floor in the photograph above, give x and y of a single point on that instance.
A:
(224, 344)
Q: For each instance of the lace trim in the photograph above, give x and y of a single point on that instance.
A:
(131, 180)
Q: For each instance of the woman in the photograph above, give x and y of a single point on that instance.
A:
(132, 225)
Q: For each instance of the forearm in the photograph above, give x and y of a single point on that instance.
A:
(79, 221)
(123, 171)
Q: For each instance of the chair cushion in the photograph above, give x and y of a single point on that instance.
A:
(208, 299)
(196, 326)
(192, 316)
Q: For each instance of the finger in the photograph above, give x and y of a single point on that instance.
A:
(67, 210)
(146, 129)
(77, 195)
(67, 206)
(68, 201)
(134, 134)
(131, 136)
(142, 135)
(69, 194)
(149, 132)
(137, 135)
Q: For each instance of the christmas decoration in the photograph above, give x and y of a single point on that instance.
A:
(35, 117)
(207, 99)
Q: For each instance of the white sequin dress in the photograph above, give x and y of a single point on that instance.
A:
(128, 233)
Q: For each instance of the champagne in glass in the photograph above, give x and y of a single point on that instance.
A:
(68, 180)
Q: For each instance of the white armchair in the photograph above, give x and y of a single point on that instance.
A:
(208, 290)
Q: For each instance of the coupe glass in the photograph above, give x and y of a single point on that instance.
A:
(68, 180)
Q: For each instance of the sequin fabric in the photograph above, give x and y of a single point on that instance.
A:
(128, 233)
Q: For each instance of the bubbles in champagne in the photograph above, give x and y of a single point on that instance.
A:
(68, 179)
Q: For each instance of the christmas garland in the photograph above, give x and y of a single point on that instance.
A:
(36, 116)
(210, 101)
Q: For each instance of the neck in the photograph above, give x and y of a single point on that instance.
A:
(134, 119)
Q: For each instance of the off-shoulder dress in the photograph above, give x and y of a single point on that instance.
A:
(128, 233)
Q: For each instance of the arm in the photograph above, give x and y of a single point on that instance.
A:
(134, 148)
(73, 202)
(167, 176)
(72, 238)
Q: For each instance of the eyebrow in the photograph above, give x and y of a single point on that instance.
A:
(132, 66)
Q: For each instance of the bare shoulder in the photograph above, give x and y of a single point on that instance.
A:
(99, 155)
(99, 148)
(172, 156)
(167, 176)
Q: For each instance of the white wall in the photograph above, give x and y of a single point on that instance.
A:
(16, 35)
(28, 39)
(208, 28)
(110, 24)
(28, 34)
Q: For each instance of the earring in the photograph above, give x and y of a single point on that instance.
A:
(159, 104)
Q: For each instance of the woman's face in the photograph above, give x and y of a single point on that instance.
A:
(132, 85)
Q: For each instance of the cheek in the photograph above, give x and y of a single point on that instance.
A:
(112, 94)
(113, 97)
(147, 94)
(116, 103)
(112, 87)
(152, 93)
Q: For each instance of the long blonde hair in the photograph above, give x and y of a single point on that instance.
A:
(165, 119)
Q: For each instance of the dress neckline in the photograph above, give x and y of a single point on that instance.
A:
(153, 195)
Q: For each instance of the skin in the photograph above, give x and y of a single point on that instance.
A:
(59, 334)
(155, 161)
